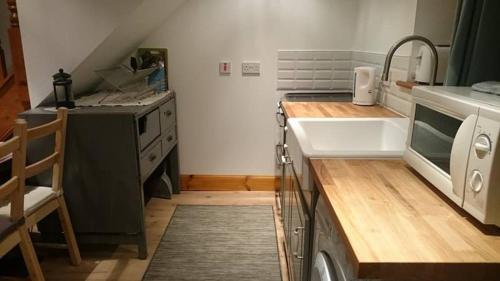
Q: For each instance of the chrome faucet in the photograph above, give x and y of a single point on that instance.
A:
(395, 47)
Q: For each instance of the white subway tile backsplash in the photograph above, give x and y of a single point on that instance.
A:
(323, 64)
(322, 84)
(400, 62)
(286, 64)
(398, 104)
(307, 64)
(286, 84)
(323, 75)
(287, 55)
(303, 84)
(305, 55)
(330, 69)
(304, 75)
(333, 70)
(286, 74)
(396, 74)
(342, 64)
(324, 55)
(342, 84)
(342, 75)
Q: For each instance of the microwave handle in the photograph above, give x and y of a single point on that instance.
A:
(460, 154)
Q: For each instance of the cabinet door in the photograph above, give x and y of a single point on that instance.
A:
(167, 116)
(149, 128)
(295, 242)
(297, 239)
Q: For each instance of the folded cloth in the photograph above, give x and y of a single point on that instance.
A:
(489, 87)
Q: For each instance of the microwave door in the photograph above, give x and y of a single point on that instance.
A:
(459, 159)
(432, 144)
(438, 148)
(433, 135)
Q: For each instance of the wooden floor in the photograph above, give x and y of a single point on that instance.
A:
(121, 263)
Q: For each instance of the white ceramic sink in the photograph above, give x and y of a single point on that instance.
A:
(349, 137)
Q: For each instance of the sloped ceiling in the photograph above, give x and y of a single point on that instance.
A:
(82, 36)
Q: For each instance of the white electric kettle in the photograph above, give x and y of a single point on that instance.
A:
(364, 86)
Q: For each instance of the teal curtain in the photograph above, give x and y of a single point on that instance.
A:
(475, 51)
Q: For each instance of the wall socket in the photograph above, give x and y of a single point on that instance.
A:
(224, 68)
(250, 68)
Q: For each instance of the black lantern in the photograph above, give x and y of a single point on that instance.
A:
(62, 89)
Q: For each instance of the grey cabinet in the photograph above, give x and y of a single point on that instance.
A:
(296, 238)
(287, 197)
(112, 154)
(167, 116)
(297, 226)
(149, 128)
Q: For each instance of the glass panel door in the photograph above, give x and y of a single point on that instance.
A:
(433, 135)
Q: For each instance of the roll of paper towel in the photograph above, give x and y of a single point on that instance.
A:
(423, 67)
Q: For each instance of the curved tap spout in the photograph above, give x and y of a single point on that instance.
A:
(395, 47)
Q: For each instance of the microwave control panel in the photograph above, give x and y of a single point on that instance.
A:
(482, 195)
(482, 145)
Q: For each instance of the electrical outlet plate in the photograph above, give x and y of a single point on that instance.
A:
(250, 68)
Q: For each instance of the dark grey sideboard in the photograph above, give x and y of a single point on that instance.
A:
(112, 154)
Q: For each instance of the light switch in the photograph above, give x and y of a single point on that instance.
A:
(250, 68)
(224, 68)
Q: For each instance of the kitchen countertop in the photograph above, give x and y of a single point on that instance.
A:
(396, 225)
(334, 109)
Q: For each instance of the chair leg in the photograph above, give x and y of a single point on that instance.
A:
(29, 255)
(69, 234)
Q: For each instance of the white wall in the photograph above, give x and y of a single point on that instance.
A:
(4, 36)
(59, 33)
(226, 124)
(122, 42)
(380, 23)
(435, 19)
(83, 36)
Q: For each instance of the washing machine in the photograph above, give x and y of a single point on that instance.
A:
(329, 260)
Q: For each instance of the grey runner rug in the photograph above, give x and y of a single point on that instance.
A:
(219, 243)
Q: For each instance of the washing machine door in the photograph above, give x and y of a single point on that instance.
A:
(326, 269)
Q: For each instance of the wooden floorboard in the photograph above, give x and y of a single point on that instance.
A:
(121, 263)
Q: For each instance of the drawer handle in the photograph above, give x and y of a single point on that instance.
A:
(279, 153)
(297, 256)
(297, 230)
(170, 138)
(152, 157)
(168, 113)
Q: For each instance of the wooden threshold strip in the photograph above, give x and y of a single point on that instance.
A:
(229, 183)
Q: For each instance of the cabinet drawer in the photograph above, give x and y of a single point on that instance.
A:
(150, 159)
(168, 141)
(167, 115)
(149, 128)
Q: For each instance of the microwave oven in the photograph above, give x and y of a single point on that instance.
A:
(453, 141)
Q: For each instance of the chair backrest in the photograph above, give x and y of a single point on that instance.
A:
(13, 189)
(56, 159)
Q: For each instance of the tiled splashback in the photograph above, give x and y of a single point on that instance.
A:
(393, 96)
(330, 69)
(314, 70)
(399, 65)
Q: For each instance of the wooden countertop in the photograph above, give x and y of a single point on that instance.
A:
(396, 226)
(334, 109)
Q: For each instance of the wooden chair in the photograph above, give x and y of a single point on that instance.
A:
(40, 201)
(13, 230)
